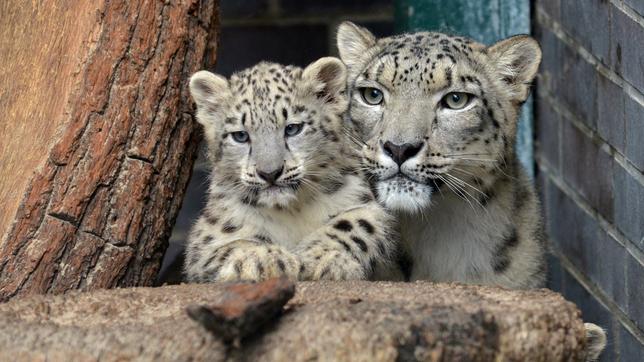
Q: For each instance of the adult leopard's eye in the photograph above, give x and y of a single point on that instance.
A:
(372, 96)
(293, 129)
(456, 100)
(240, 136)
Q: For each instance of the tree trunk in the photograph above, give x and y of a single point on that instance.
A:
(97, 139)
(326, 321)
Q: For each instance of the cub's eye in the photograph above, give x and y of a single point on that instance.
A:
(456, 100)
(240, 136)
(372, 96)
(293, 129)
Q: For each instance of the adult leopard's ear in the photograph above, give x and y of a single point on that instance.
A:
(517, 60)
(326, 78)
(353, 43)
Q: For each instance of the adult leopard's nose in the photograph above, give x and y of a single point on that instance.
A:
(401, 153)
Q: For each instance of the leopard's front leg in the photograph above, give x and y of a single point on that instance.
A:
(244, 260)
(349, 245)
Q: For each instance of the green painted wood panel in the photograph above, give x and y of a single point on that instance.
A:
(486, 21)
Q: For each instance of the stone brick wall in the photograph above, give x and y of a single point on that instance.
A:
(589, 154)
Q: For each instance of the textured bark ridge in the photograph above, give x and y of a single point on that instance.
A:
(345, 321)
(103, 115)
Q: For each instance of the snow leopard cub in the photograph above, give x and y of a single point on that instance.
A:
(286, 196)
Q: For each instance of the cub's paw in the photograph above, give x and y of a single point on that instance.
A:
(258, 262)
(331, 265)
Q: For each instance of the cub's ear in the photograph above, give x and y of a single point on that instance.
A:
(208, 90)
(327, 79)
(517, 60)
(353, 42)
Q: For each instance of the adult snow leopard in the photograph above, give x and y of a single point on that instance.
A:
(438, 117)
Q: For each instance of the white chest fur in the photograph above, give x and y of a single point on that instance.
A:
(454, 241)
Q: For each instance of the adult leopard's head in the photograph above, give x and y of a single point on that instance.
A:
(434, 109)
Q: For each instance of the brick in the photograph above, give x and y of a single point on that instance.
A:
(629, 205)
(551, 7)
(244, 46)
(588, 169)
(579, 16)
(630, 349)
(551, 63)
(578, 86)
(555, 274)
(626, 48)
(548, 131)
(635, 282)
(578, 236)
(231, 9)
(592, 312)
(634, 125)
(637, 5)
(610, 112)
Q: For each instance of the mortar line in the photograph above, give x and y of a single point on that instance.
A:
(601, 297)
(629, 11)
(604, 224)
(561, 34)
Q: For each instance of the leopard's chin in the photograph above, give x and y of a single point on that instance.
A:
(277, 197)
(402, 194)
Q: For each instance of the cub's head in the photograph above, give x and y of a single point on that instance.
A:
(434, 110)
(273, 130)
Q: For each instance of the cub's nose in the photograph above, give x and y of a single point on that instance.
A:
(270, 176)
(401, 153)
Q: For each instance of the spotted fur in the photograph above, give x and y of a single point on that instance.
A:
(286, 197)
(466, 208)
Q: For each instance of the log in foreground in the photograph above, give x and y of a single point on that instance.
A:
(357, 321)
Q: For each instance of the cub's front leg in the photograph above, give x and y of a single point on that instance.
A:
(209, 260)
(349, 246)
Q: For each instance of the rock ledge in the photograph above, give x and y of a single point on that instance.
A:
(357, 321)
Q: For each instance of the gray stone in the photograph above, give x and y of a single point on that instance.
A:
(634, 119)
(592, 311)
(635, 277)
(588, 169)
(626, 48)
(629, 205)
(629, 347)
(578, 236)
(356, 321)
(610, 112)
(548, 130)
(588, 22)
(551, 7)
(637, 5)
(578, 86)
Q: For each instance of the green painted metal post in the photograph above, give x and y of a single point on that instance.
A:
(486, 21)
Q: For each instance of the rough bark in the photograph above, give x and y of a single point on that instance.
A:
(345, 321)
(97, 139)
